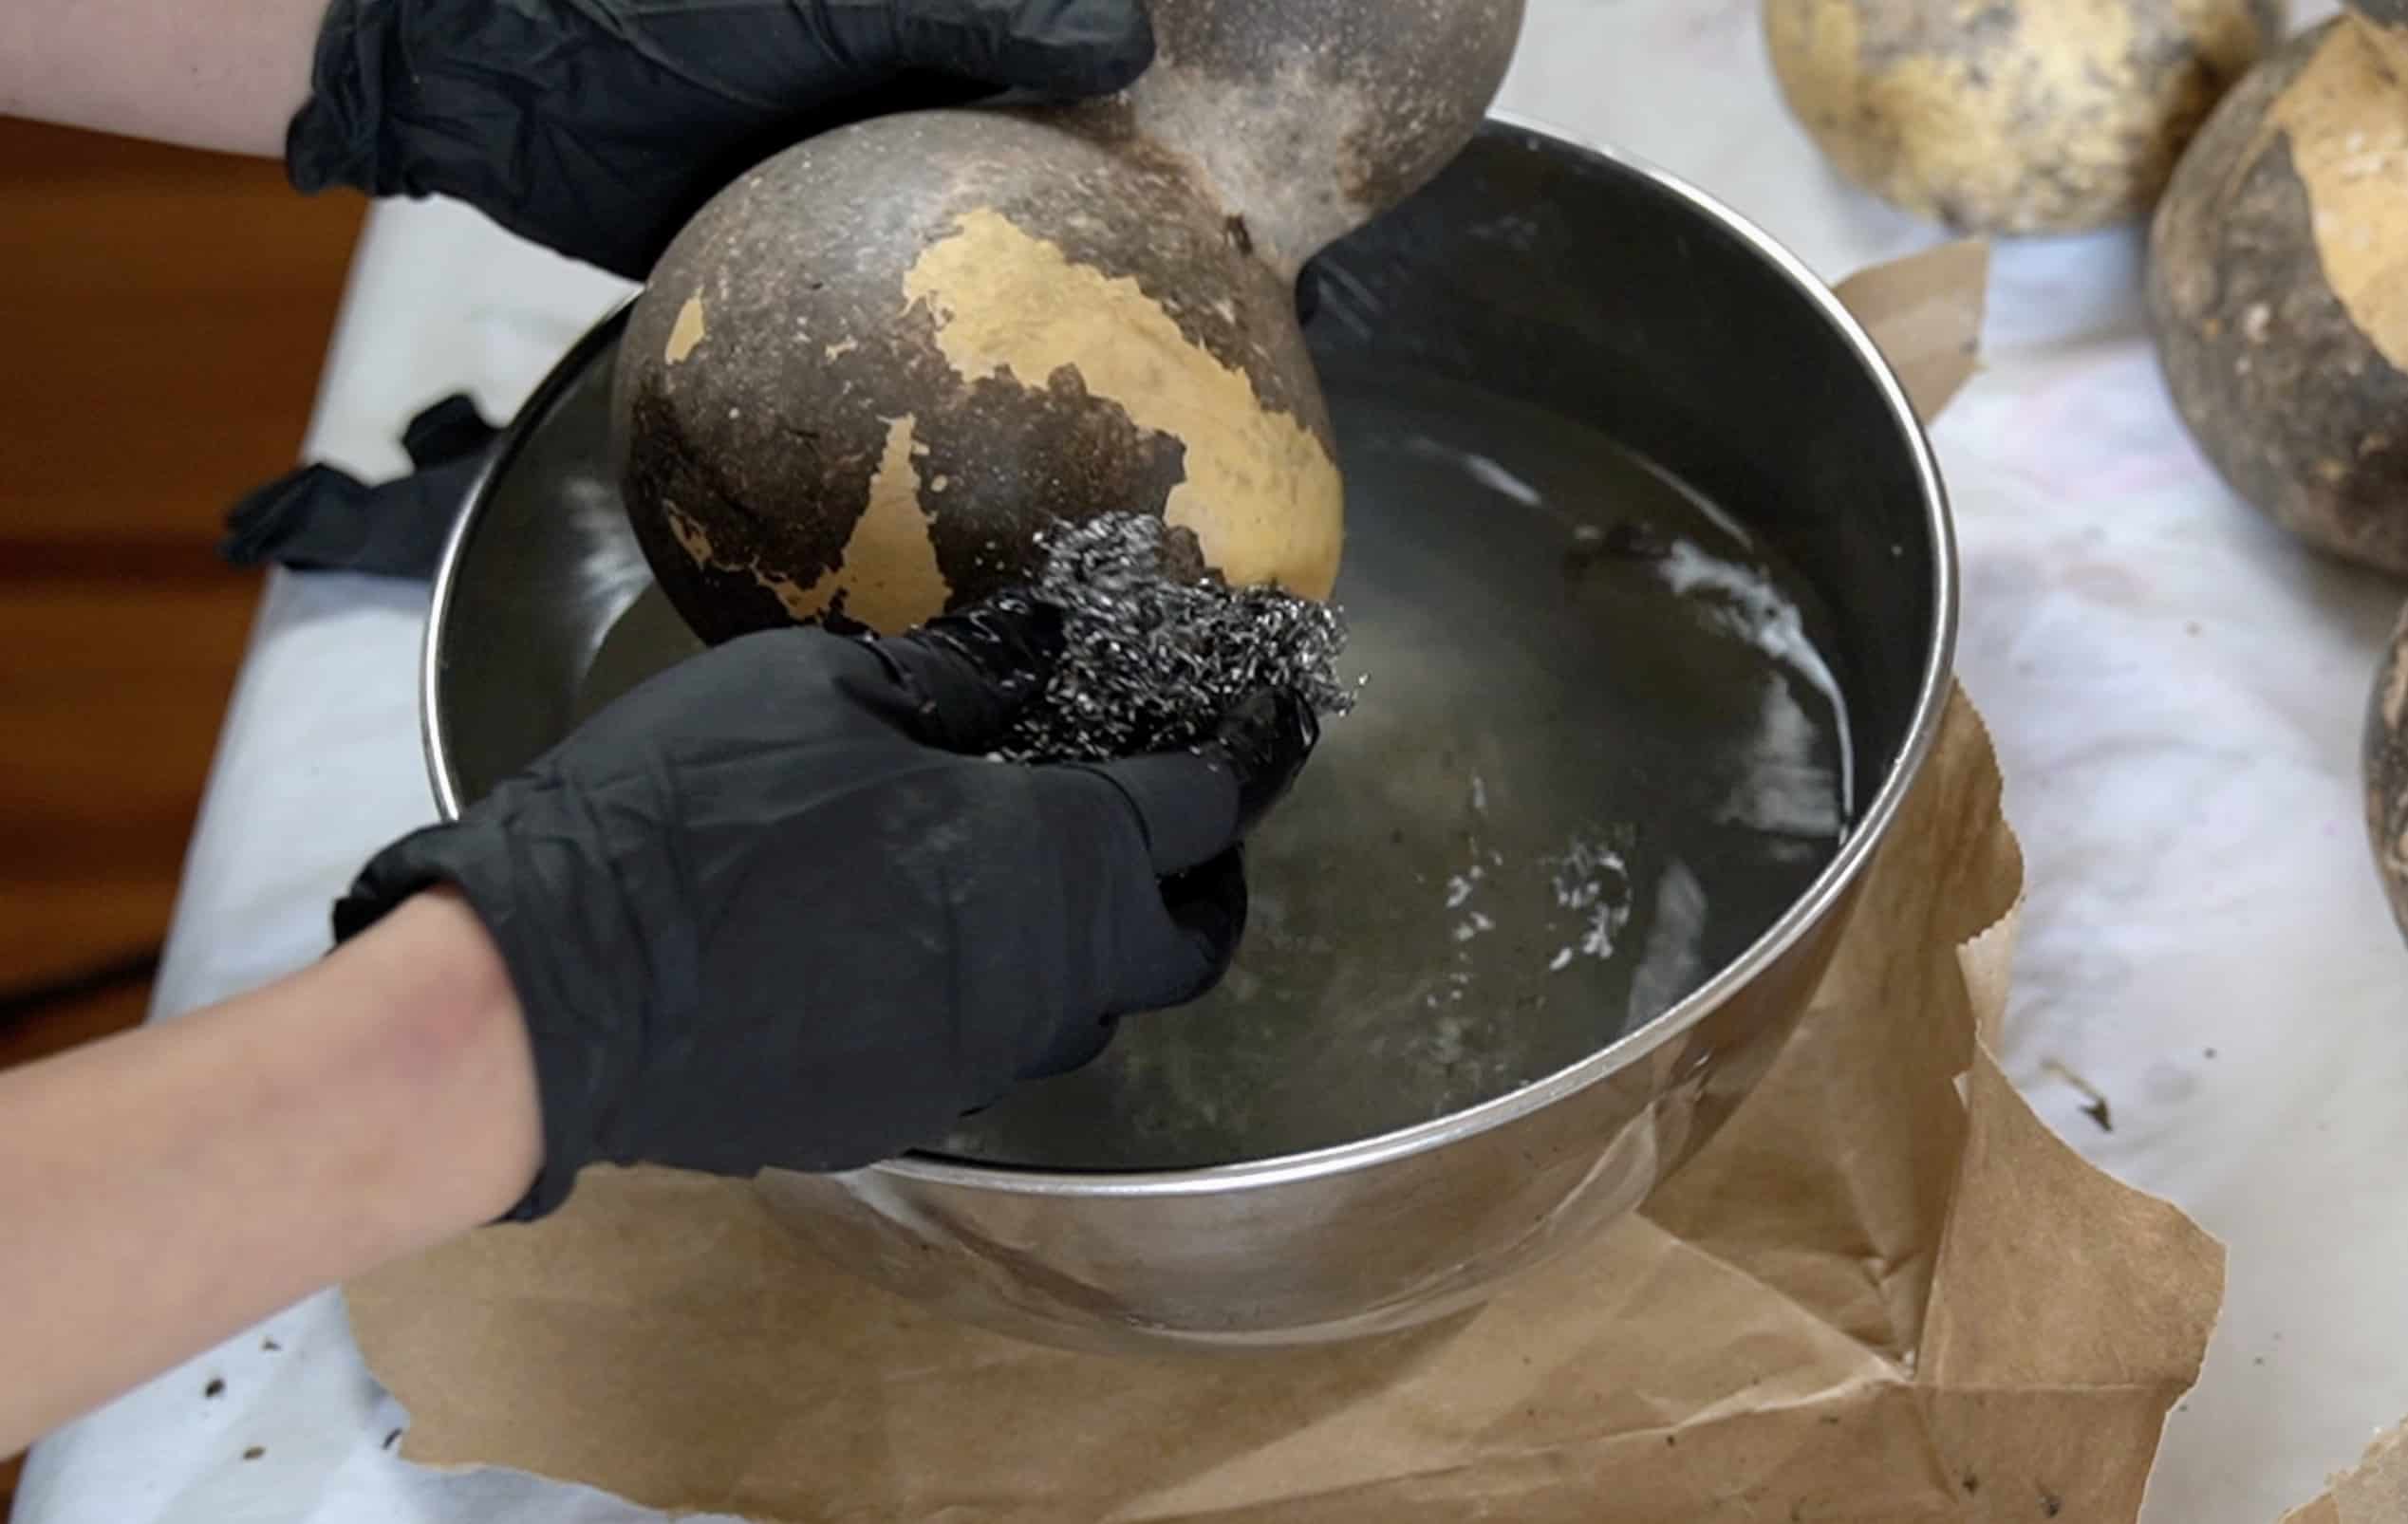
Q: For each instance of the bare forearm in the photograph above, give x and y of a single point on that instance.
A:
(165, 1189)
(219, 74)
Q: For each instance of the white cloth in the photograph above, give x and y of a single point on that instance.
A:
(2174, 687)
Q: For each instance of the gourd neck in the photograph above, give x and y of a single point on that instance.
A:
(1302, 121)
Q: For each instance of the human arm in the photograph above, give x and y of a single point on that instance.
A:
(595, 127)
(592, 128)
(168, 1188)
(774, 907)
(227, 76)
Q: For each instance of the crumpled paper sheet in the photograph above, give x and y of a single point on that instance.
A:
(1924, 310)
(2373, 1492)
(1885, 1292)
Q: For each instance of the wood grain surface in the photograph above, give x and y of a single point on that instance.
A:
(168, 311)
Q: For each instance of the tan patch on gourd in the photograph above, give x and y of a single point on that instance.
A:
(691, 537)
(888, 571)
(2063, 129)
(2346, 119)
(685, 333)
(1261, 492)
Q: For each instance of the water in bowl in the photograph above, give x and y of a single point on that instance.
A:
(1599, 753)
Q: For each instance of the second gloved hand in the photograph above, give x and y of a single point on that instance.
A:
(597, 127)
(774, 908)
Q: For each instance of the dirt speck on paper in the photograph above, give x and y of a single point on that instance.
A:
(2096, 1107)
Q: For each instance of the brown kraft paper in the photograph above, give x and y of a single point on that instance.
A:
(1885, 1292)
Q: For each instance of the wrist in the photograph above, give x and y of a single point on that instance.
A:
(330, 138)
(520, 891)
(453, 1023)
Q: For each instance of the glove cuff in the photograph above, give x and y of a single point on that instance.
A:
(575, 1081)
(333, 139)
(319, 518)
(292, 519)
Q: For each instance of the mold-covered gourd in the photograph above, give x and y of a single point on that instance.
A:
(2385, 763)
(2012, 115)
(869, 373)
(2278, 293)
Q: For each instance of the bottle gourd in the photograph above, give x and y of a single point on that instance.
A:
(2012, 116)
(2277, 263)
(867, 375)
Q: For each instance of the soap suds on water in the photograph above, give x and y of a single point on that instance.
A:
(1746, 602)
(1668, 962)
(1461, 887)
(1487, 472)
(1497, 479)
(1588, 883)
(1591, 880)
(1789, 791)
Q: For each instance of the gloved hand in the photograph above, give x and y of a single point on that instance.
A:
(775, 907)
(598, 127)
(322, 519)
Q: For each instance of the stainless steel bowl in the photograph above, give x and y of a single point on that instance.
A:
(1538, 276)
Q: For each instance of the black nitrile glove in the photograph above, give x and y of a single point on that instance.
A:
(776, 908)
(319, 518)
(598, 127)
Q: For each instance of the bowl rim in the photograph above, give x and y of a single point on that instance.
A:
(1824, 897)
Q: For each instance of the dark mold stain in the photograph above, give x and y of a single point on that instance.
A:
(1102, 461)
(2290, 403)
